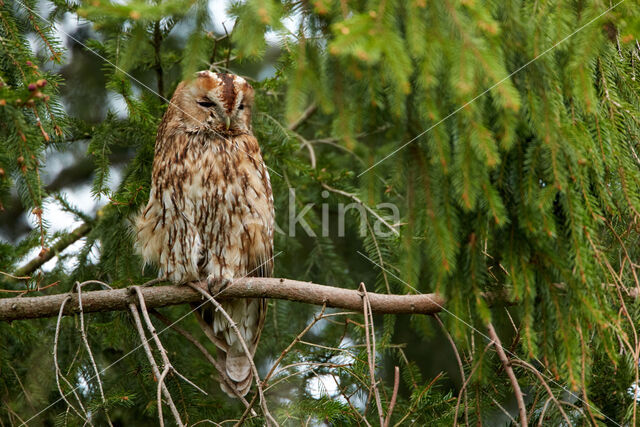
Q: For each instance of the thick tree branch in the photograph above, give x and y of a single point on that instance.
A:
(252, 287)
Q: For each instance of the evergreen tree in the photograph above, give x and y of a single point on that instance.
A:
(506, 134)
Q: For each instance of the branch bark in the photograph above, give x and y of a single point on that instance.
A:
(54, 250)
(251, 287)
(512, 376)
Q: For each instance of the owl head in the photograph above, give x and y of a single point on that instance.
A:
(215, 102)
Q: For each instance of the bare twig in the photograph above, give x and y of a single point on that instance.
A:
(371, 349)
(544, 411)
(59, 374)
(582, 373)
(154, 368)
(263, 403)
(163, 352)
(11, 276)
(246, 411)
(309, 147)
(460, 366)
(203, 350)
(324, 364)
(303, 117)
(394, 395)
(504, 411)
(364, 205)
(24, 390)
(302, 139)
(159, 390)
(85, 340)
(298, 339)
(512, 377)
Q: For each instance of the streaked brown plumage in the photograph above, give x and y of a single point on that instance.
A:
(210, 211)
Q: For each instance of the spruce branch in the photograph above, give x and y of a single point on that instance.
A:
(59, 246)
(251, 287)
(553, 398)
(466, 383)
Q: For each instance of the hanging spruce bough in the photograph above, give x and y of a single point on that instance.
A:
(487, 153)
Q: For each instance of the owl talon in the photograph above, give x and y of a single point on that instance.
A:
(217, 284)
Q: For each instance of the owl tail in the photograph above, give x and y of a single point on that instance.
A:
(248, 315)
(238, 368)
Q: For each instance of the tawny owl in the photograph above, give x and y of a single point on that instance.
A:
(210, 211)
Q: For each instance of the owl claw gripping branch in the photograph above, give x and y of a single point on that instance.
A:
(210, 212)
(217, 284)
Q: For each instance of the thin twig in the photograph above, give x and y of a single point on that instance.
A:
(582, 374)
(85, 340)
(57, 368)
(308, 112)
(315, 320)
(545, 385)
(543, 412)
(263, 403)
(154, 368)
(364, 205)
(415, 401)
(460, 366)
(504, 411)
(371, 349)
(303, 140)
(464, 386)
(512, 377)
(156, 339)
(394, 395)
(203, 350)
(15, 277)
(24, 390)
(353, 408)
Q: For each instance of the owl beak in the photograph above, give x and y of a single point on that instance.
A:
(227, 121)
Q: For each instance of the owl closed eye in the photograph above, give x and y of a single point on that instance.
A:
(216, 102)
